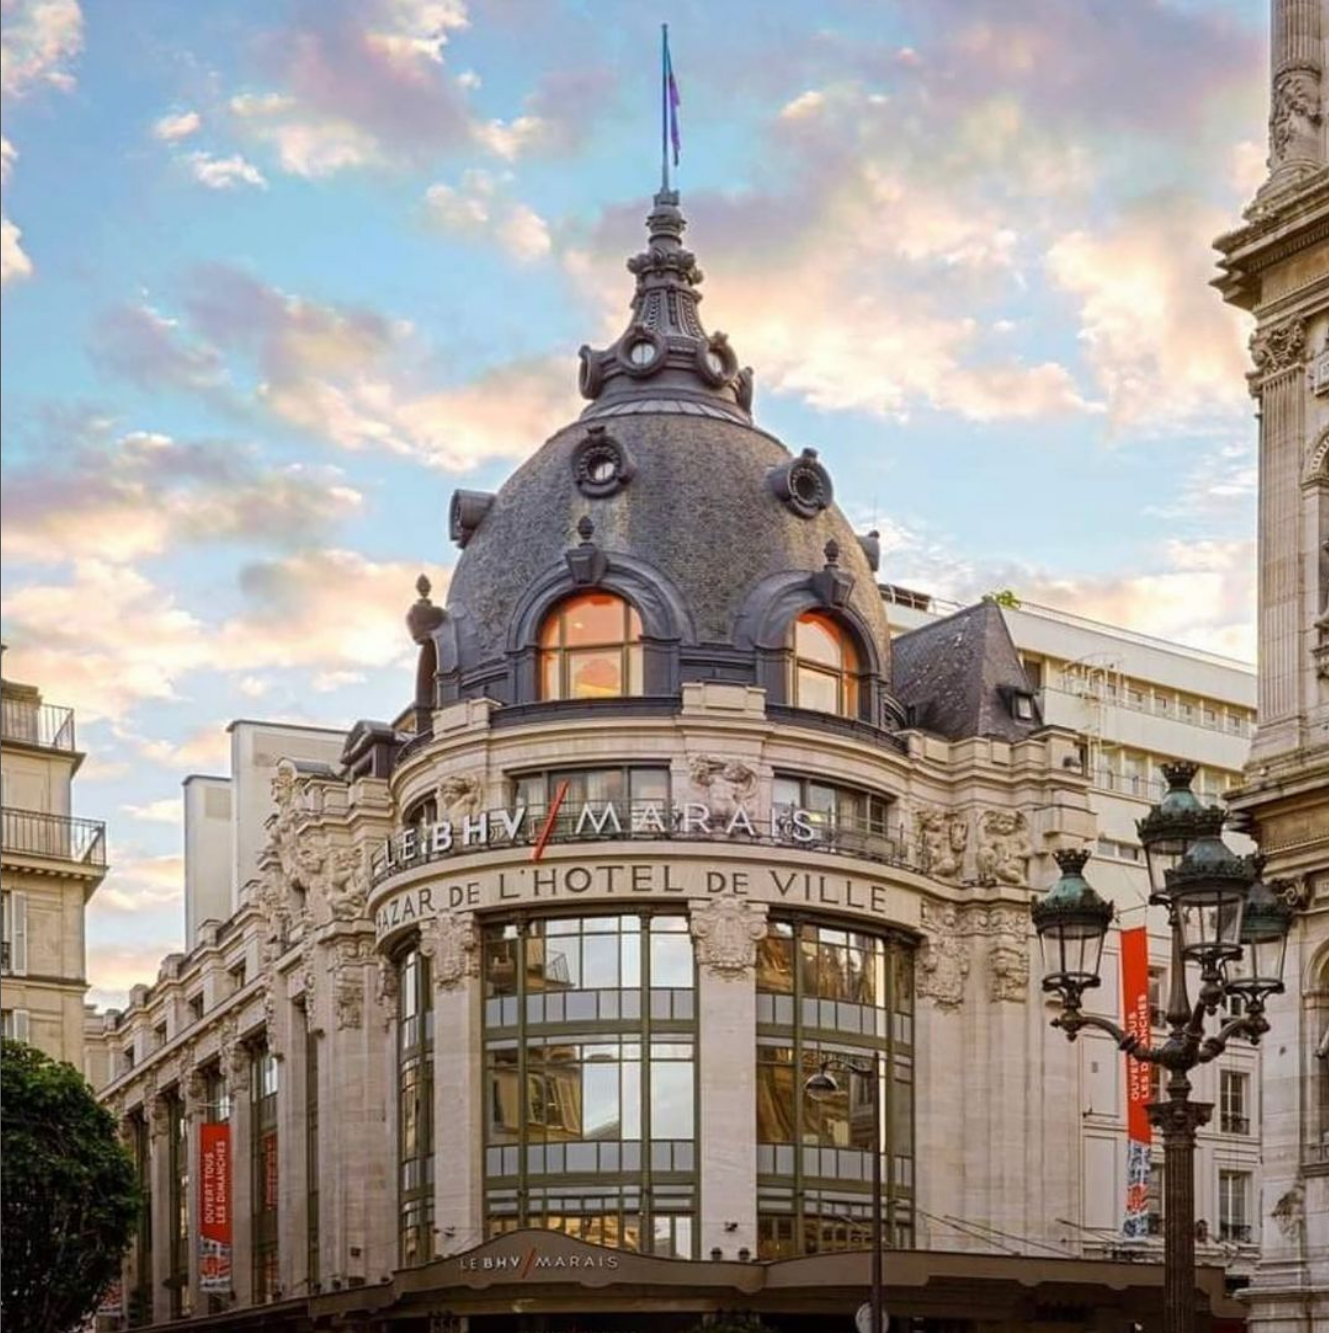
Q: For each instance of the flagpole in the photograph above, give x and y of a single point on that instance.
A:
(664, 107)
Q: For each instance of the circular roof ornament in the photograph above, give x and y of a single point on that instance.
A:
(601, 466)
(641, 351)
(716, 362)
(803, 484)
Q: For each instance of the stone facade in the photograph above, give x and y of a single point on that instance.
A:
(51, 865)
(1277, 267)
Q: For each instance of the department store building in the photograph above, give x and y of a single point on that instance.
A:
(500, 1015)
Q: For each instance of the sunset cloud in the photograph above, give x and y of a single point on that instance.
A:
(176, 125)
(41, 40)
(122, 499)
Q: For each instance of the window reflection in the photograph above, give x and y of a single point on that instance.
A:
(825, 667)
(567, 1098)
(846, 997)
(590, 649)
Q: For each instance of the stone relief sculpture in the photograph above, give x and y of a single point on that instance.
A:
(388, 991)
(451, 944)
(725, 786)
(943, 838)
(346, 884)
(1294, 119)
(943, 966)
(1004, 848)
(348, 986)
(460, 795)
(1289, 1213)
(1008, 953)
(726, 931)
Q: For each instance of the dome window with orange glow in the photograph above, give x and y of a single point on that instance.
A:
(590, 648)
(826, 666)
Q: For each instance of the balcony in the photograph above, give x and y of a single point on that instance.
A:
(24, 722)
(79, 842)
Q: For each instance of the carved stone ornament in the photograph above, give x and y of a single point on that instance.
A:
(943, 965)
(274, 1037)
(1294, 117)
(452, 945)
(461, 795)
(388, 991)
(1278, 348)
(1289, 1213)
(345, 883)
(726, 931)
(724, 786)
(348, 983)
(1004, 848)
(942, 838)
(234, 1058)
(1007, 953)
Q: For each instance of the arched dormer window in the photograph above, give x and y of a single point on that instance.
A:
(590, 648)
(826, 666)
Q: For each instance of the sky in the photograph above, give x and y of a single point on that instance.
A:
(278, 277)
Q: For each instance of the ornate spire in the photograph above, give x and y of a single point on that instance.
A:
(665, 358)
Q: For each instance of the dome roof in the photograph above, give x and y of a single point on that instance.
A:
(699, 507)
(665, 492)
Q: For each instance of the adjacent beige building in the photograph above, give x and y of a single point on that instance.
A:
(50, 865)
(1276, 265)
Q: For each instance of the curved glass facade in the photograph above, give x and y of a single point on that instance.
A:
(831, 994)
(590, 1079)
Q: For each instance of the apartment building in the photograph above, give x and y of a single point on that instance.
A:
(51, 866)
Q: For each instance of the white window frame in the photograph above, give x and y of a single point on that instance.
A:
(16, 931)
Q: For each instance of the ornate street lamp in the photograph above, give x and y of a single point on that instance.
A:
(1223, 918)
(822, 1085)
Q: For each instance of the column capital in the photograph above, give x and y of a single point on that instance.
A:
(726, 931)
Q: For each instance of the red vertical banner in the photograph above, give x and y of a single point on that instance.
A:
(214, 1229)
(1135, 1015)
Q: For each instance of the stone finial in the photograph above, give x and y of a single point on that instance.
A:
(832, 552)
(423, 617)
(586, 563)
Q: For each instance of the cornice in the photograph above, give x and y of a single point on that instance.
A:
(1276, 229)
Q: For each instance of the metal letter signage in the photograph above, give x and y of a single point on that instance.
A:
(214, 1230)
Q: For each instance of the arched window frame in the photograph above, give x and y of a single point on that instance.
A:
(558, 651)
(848, 674)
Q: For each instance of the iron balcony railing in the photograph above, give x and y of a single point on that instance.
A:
(811, 831)
(30, 833)
(27, 723)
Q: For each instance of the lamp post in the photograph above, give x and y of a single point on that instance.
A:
(1222, 918)
(822, 1084)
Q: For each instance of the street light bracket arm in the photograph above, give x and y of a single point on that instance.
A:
(1252, 1026)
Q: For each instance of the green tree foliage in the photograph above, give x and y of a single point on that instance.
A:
(69, 1194)
(1003, 597)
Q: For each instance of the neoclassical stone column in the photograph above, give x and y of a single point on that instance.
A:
(191, 1088)
(726, 931)
(1279, 354)
(159, 1149)
(1296, 129)
(452, 946)
(235, 1068)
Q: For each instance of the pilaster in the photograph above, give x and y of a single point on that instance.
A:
(726, 931)
(459, 1082)
(159, 1150)
(235, 1066)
